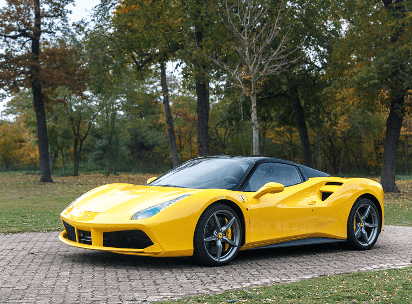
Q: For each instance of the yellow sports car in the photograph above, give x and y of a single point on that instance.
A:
(212, 207)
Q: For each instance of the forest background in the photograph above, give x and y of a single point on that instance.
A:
(323, 83)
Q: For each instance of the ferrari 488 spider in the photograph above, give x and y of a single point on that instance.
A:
(212, 207)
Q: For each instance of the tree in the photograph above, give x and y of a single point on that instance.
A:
(22, 22)
(399, 72)
(80, 113)
(201, 25)
(149, 33)
(16, 145)
(374, 55)
(258, 35)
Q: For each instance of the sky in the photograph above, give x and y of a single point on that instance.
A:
(81, 10)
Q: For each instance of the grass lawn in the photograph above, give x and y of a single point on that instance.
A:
(398, 206)
(386, 286)
(28, 205)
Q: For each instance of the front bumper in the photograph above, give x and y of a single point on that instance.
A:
(154, 250)
(132, 242)
(156, 236)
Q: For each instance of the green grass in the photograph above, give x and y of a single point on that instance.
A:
(28, 205)
(386, 286)
(398, 206)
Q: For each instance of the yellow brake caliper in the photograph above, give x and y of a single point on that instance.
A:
(228, 235)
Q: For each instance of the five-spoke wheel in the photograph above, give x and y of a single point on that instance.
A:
(218, 235)
(364, 224)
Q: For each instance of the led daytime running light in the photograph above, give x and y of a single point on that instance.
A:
(149, 212)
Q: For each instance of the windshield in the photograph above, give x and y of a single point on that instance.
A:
(206, 173)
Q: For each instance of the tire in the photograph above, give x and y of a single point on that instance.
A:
(364, 224)
(217, 236)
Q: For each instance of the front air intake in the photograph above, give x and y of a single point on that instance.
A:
(71, 231)
(135, 239)
(85, 237)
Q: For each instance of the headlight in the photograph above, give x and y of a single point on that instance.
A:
(157, 208)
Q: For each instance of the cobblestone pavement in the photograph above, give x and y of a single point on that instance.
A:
(38, 268)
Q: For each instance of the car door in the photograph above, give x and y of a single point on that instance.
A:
(280, 216)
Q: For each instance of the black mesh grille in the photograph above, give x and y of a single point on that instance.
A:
(85, 237)
(70, 231)
(136, 239)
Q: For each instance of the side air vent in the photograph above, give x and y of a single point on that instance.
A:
(325, 195)
(328, 189)
(333, 184)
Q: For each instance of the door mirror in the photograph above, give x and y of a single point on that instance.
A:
(150, 180)
(269, 188)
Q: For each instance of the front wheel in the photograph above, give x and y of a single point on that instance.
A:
(217, 236)
(364, 224)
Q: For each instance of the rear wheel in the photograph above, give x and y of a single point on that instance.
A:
(364, 224)
(217, 236)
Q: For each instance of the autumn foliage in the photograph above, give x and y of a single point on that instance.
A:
(17, 145)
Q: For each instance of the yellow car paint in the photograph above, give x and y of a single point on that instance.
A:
(295, 213)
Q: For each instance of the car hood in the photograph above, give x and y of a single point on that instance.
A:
(127, 198)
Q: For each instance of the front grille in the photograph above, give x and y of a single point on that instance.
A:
(135, 239)
(85, 237)
(71, 231)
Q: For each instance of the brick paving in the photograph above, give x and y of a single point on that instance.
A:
(38, 268)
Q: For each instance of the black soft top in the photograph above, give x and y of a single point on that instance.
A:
(307, 172)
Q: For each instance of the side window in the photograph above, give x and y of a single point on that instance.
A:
(286, 175)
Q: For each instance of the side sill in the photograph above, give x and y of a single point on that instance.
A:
(302, 242)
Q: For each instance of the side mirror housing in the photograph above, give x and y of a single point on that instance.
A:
(269, 188)
(150, 180)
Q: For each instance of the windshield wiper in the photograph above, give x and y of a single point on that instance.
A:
(169, 185)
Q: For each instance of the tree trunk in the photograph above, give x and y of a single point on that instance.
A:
(319, 159)
(264, 139)
(394, 121)
(390, 152)
(63, 163)
(342, 153)
(202, 92)
(109, 149)
(243, 142)
(66, 161)
(76, 158)
(168, 113)
(303, 130)
(202, 117)
(45, 173)
(255, 122)
(117, 152)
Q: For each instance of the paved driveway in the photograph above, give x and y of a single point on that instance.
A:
(38, 268)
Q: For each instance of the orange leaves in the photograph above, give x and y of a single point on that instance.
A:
(63, 66)
(17, 146)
